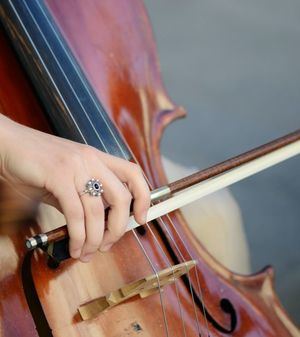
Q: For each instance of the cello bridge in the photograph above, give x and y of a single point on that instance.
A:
(143, 288)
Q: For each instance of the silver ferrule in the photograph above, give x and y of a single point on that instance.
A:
(36, 241)
(31, 243)
(44, 238)
(160, 193)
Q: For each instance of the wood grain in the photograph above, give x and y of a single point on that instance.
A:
(113, 41)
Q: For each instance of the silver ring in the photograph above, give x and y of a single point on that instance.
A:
(93, 187)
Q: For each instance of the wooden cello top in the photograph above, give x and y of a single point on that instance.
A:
(115, 47)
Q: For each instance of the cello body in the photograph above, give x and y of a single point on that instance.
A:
(113, 42)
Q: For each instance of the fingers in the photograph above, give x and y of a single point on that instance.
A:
(141, 194)
(94, 222)
(132, 175)
(62, 168)
(121, 181)
(72, 209)
(119, 199)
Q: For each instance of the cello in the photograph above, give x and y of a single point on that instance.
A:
(88, 71)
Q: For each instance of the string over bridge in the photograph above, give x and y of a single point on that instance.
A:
(144, 287)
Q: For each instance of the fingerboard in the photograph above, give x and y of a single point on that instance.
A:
(71, 104)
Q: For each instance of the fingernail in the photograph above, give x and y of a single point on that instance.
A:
(86, 258)
(106, 247)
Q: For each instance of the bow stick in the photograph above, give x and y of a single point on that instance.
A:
(200, 184)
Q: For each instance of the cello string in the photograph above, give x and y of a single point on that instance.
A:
(197, 279)
(181, 255)
(51, 78)
(183, 258)
(75, 67)
(84, 85)
(103, 143)
(93, 99)
(188, 275)
(83, 82)
(174, 278)
(188, 272)
(157, 278)
(61, 69)
(45, 67)
(196, 270)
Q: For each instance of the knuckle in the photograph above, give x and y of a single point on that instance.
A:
(138, 176)
(124, 198)
(88, 151)
(135, 169)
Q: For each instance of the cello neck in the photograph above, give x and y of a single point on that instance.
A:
(72, 106)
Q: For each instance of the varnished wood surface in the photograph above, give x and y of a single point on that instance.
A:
(114, 44)
(18, 101)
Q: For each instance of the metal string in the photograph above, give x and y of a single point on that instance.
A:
(51, 78)
(112, 133)
(102, 141)
(157, 278)
(79, 75)
(26, 32)
(173, 272)
(188, 272)
(63, 72)
(197, 279)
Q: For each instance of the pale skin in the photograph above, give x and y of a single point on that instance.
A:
(55, 170)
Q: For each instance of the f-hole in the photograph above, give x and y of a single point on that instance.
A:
(225, 305)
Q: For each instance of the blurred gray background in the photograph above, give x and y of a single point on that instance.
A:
(235, 66)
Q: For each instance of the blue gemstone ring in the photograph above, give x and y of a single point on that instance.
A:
(93, 187)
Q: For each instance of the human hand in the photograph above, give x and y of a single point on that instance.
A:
(56, 170)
